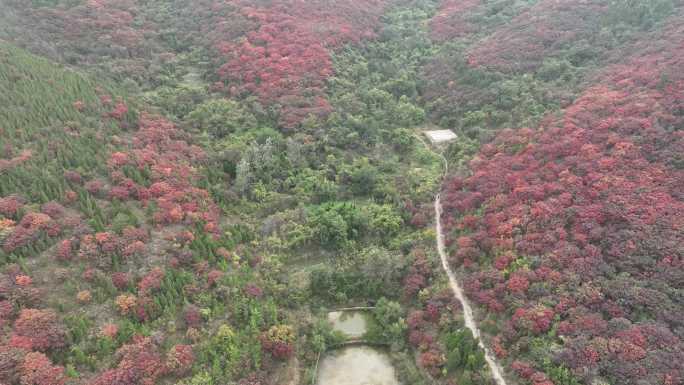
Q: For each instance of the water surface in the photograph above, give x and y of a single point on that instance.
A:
(356, 365)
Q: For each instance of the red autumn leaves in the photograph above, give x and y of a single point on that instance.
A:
(547, 27)
(285, 62)
(584, 213)
(451, 22)
(160, 149)
(141, 363)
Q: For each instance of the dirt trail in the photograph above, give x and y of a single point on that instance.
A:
(458, 293)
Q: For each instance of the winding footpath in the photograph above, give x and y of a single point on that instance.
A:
(458, 293)
(470, 323)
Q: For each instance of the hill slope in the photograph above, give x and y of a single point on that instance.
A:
(571, 234)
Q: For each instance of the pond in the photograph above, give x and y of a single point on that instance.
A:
(356, 365)
(351, 323)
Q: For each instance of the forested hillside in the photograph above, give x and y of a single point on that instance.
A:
(189, 188)
(569, 232)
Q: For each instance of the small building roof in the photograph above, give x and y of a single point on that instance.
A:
(440, 136)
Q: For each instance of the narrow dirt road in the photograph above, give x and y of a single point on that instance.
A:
(458, 293)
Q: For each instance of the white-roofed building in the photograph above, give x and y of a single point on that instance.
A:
(440, 136)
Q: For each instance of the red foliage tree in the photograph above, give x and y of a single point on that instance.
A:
(151, 281)
(253, 290)
(11, 360)
(30, 228)
(537, 320)
(119, 111)
(518, 283)
(432, 361)
(39, 328)
(139, 364)
(180, 359)
(93, 24)
(121, 280)
(37, 369)
(10, 206)
(65, 250)
(279, 341)
(522, 369)
(451, 22)
(53, 209)
(418, 275)
(213, 276)
(192, 316)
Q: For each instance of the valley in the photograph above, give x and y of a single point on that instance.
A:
(218, 192)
